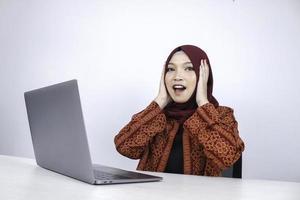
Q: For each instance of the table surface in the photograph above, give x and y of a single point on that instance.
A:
(21, 178)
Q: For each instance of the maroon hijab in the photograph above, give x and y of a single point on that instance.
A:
(182, 111)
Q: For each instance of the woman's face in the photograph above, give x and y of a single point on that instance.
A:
(180, 77)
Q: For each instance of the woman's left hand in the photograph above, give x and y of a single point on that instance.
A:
(201, 96)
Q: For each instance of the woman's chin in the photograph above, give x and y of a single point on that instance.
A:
(180, 96)
(180, 100)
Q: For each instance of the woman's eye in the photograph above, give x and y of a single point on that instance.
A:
(190, 68)
(170, 69)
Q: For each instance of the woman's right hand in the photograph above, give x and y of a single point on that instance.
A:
(163, 98)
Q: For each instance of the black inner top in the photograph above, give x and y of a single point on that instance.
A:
(175, 161)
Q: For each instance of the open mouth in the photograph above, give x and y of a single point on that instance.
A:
(178, 88)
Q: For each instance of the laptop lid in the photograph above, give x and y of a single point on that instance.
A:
(57, 130)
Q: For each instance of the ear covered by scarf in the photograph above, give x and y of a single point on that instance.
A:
(182, 111)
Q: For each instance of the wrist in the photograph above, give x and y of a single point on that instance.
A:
(160, 102)
(202, 102)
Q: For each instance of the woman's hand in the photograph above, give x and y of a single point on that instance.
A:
(201, 96)
(163, 98)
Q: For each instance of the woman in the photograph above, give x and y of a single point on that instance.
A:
(183, 130)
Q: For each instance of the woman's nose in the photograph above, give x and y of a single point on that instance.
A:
(177, 76)
(178, 79)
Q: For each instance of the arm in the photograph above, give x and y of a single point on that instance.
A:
(217, 131)
(136, 135)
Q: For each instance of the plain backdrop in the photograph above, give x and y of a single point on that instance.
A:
(116, 50)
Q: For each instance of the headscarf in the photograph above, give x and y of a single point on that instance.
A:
(182, 111)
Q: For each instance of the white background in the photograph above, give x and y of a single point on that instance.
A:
(116, 50)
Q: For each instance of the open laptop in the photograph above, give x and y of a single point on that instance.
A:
(59, 137)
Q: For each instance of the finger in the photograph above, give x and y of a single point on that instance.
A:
(205, 71)
(201, 66)
(162, 78)
(163, 72)
(206, 65)
(207, 68)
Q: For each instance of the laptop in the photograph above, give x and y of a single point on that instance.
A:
(59, 137)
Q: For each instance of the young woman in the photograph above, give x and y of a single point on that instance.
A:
(184, 129)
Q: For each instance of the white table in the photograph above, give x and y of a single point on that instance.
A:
(21, 178)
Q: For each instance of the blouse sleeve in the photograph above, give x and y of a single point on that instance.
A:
(217, 131)
(132, 140)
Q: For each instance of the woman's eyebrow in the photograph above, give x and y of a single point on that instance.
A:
(171, 64)
(183, 63)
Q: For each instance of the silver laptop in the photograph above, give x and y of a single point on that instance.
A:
(59, 137)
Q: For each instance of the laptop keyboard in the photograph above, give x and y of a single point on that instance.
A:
(107, 176)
